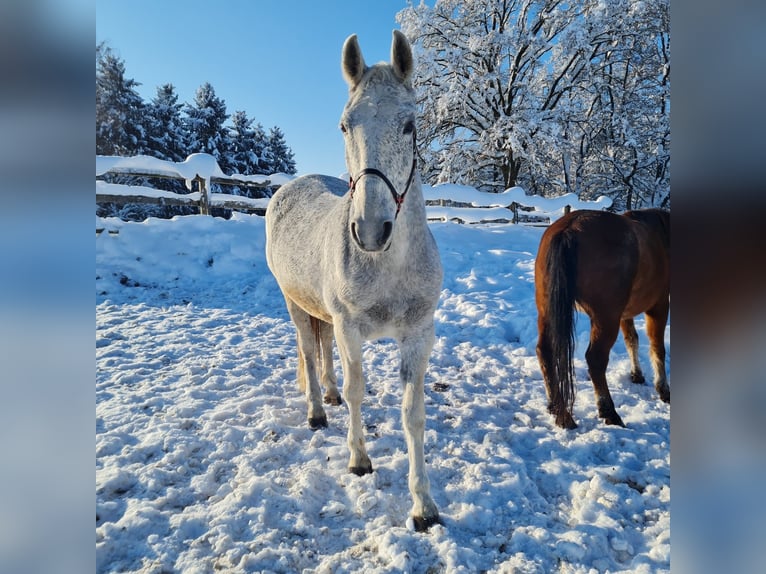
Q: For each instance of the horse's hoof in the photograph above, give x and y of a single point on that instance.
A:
(335, 401)
(664, 395)
(360, 470)
(316, 423)
(637, 378)
(423, 523)
(566, 421)
(614, 420)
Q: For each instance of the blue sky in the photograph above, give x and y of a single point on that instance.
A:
(279, 60)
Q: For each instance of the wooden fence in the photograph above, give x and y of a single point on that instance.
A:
(460, 204)
(199, 172)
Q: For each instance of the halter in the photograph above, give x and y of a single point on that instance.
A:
(398, 197)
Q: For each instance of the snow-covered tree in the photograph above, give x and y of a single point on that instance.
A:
(247, 155)
(553, 96)
(627, 94)
(119, 108)
(205, 120)
(247, 143)
(165, 133)
(478, 83)
(281, 157)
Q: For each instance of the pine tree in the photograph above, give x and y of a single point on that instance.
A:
(205, 121)
(282, 157)
(247, 151)
(166, 138)
(119, 108)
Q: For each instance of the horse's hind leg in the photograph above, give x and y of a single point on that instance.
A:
(656, 320)
(329, 380)
(307, 364)
(631, 342)
(603, 334)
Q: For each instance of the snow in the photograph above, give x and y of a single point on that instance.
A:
(205, 462)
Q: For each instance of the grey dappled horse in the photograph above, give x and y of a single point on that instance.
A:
(357, 259)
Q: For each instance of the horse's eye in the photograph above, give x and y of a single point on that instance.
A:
(409, 127)
(343, 128)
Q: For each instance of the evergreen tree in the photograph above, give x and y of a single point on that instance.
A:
(247, 151)
(166, 137)
(119, 108)
(205, 121)
(282, 158)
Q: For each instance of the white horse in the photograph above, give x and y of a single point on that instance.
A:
(357, 259)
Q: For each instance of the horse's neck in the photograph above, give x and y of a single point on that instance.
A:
(412, 225)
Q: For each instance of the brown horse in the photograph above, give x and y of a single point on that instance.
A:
(612, 267)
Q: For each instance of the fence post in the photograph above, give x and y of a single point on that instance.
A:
(204, 198)
(515, 209)
(567, 209)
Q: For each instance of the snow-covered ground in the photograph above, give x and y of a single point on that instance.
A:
(205, 462)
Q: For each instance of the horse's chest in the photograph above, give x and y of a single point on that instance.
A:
(385, 306)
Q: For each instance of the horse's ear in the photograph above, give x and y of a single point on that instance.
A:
(352, 61)
(401, 56)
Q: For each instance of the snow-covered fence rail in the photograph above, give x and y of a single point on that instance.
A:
(465, 204)
(199, 170)
(444, 202)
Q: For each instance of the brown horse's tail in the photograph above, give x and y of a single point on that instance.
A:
(562, 282)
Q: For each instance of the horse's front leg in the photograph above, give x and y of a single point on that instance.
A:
(350, 348)
(415, 351)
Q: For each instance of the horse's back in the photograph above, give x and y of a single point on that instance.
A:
(297, 209)
(652, 283)
(622, 260)
(306, 194)
(604, 250)
(297, 222)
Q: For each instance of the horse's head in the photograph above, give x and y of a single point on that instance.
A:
(378, 124)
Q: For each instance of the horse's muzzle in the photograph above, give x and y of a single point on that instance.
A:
(372, 237)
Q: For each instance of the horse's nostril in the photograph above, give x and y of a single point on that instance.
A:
(387, 229)
(353, 232)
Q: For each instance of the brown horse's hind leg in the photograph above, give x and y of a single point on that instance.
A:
(603, 334)
(631, 342)
(656, 319)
